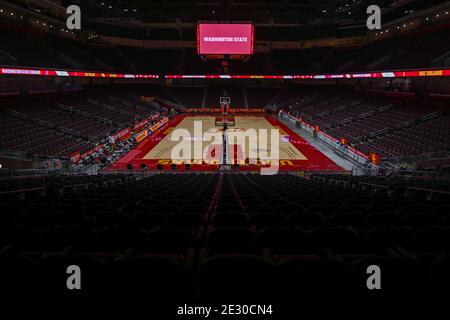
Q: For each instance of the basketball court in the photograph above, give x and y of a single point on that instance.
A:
(294, 152)
(287, 150)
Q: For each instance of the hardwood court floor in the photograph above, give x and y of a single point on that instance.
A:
(287, 151)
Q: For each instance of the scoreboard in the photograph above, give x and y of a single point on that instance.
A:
(225, 39)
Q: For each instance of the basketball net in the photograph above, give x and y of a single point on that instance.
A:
(225, 108)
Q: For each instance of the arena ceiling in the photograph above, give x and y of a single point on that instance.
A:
(259, 11)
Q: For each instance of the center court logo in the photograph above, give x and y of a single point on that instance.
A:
(229, 146)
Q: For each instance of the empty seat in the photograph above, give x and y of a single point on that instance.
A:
(94, 208)
(432, 239)
(383, 220)
(35, 219)
(289, 209)
(9, 208)
(71, 218)
(79, 238)
(117, 239)
(231, 219)
(8, 219)
(159, 277)
(44, 207)
(253, 209)
(324, 209)
(168, 240)
(414, 209)
(228, 207)
(21, 238)
(306, 221)
(148, 220)
(282, 240)
(164, 209)
(309, 275)
(185, 220)
(438, 275)
(340, 240)
(19, 274)
(264, 220)
(129, 209)
(194, 208)
(420, 220)
(378, 239)
(226, 278)
(354, 219)
(108, 219)
(232, 240)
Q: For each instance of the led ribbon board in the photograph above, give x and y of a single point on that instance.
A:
(355, 75)
(68, 73)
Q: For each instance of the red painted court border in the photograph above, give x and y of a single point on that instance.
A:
(320, 161)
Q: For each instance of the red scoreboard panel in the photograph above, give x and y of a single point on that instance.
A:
(224, 38)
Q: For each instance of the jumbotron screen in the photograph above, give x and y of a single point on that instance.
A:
(213, 38)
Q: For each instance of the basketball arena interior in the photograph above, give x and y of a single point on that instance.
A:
(198, 153)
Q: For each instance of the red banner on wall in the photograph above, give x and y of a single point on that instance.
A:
(90, 152)
(141, 136)
(140, 125)
(123, 135)
(164, 121)
(375, 158)
(75, 157)
(155, 127)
